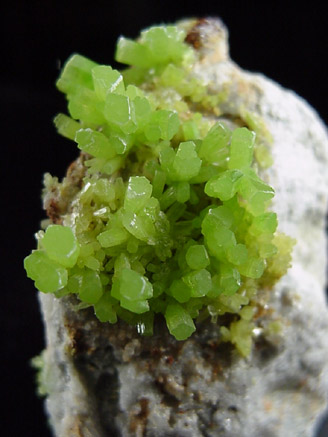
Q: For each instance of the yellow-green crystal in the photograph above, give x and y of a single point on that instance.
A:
(48, 276)
(61, 245)
(172, 216)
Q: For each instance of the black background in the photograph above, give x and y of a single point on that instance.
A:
(286, 42)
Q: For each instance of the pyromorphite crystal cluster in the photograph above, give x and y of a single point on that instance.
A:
(172, 216)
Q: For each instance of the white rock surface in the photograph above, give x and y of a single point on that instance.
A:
(106, 381)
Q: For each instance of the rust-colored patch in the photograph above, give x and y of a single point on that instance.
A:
(169, 360)
(144, 411)
(76, 171)
(78, 426)
(267, 405)
(156, 352)
(53, 212)
(78, 343)
(138, 422)
(194, 36)
(303, 383)
(59, 196)
(169, 398)
(263, 311)
(217, 370)
(75, 430)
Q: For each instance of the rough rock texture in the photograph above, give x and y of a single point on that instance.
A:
(108, 381)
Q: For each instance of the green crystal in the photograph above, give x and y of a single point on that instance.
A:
(199, 281)
(121, 143)
(166, 158)
(158, 182)
(214, 148)
(175, 212)
(47, 275)
(133, 290)
(104, 191)
(237, 254)
(197, 257)
(164, 212)
(167, 122)
(133, 53)
(165, 43)
(76, 74)
(241, 336)
(119, 112)
(215, 218)
(225, 186)
(104, 309)
(256, 193)
(61, 245)
(183, 192)
(241, 148)
(140, 227)
(190, 130)
(252, 268)
(90, 287)
(138, 192)
(84, 105)
(219, 241)
(106, 80)
(180, 291)
(186, 163)
(138, 307)
(95, 143)
(112, 237)
(229, 279)
(142, 111)
(179, 322)
(264, 223)
(158, 45)
(172, 75)
(145, 324)
(168, 197)
(66, 126)
(134, 286)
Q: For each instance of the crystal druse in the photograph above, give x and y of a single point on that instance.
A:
(161, 261)
(172, 216)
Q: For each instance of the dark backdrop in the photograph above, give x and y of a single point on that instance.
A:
(286, 42)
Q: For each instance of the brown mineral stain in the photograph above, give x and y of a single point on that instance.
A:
(262, 311)
(75, 430)
(138, 422)
(78, 343)
(267, 405)
(54, 212)
(57, 198)
(194, 35)
(76, 171)
(78, 427)
(169, 360)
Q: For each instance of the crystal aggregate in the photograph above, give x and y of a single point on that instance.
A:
(172, 218)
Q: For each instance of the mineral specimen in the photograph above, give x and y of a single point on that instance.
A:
(164, 227)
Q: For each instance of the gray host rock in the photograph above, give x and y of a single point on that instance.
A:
(105, 380)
